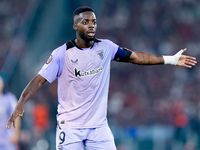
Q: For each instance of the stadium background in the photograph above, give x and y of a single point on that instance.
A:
(150, 107)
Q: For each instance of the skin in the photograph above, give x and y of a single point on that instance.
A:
(142, 58)
(85, 26)
(85, 23)
(33, 86)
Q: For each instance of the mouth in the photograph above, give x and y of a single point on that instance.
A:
(91, 33)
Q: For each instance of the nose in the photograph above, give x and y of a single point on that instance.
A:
(91, 24)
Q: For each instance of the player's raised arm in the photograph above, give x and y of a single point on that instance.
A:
(178, 59)
(33, 86)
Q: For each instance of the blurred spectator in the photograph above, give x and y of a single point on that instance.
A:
(41, 117)
(8, 138)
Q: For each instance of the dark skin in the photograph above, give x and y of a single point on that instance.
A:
(85, 26)
(33, 86)
(86, 22)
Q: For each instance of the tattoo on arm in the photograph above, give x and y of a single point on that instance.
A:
(32, 88)
(143, 57)
(161, 61)
(148, 59)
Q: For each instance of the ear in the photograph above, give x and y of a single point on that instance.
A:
(75, 26)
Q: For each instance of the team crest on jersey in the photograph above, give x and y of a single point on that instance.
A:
(100, 54)
(49, 59)
(47, 62)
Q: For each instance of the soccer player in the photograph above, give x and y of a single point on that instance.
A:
(8, 138)
(82, 67)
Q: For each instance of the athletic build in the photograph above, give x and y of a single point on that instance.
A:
(82, 67)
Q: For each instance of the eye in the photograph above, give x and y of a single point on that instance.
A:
(84, 22)
(95, 22)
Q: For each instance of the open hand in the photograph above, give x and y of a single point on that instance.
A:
(17, 112)
(186, 61)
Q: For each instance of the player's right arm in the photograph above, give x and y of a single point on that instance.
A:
(33, 86)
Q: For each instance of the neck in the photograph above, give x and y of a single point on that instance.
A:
(83, 44)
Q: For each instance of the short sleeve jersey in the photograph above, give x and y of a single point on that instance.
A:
(83, 82)
(8, 102)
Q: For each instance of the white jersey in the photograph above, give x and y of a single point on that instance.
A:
(83, 82)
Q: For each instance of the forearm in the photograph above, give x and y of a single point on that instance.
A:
(33, 86)
(142, 58)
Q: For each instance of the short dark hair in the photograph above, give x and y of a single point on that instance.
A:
(82, 9)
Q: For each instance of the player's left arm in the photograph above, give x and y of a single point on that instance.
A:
(142, 58)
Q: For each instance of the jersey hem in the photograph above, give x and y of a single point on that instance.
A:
(64, 126)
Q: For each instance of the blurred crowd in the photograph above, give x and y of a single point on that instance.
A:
(11, 14)
(158, 27)
(165, 96)
(15, 15)
(162, 101)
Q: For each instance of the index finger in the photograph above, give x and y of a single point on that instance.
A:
(10, 121)
(9, 124)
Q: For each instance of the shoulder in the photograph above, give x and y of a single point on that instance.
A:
(107, 42)
(58, 53)
(61, 49)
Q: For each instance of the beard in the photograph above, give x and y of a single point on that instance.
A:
(85, 37)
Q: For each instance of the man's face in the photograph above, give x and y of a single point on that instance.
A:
(85, 25)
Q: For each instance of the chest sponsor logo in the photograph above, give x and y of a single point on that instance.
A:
(79, 73)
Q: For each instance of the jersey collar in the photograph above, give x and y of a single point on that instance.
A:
(72, 43)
